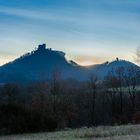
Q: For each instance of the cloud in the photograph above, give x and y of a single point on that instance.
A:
(35, 14)
(83, 19)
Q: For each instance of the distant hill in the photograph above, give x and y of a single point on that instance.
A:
(43, 62)
(102, 70)
(40, 64)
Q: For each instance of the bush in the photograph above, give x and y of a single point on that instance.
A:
(16, 118)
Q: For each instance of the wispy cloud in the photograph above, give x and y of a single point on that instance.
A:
(84, 20)
(35, 14)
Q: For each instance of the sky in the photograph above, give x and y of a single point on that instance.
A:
(89, 31)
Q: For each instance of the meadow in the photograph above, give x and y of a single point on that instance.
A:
(127, 132)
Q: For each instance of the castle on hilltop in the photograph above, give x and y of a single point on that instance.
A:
(42, 47)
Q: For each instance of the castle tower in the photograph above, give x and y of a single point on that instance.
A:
(42, 47)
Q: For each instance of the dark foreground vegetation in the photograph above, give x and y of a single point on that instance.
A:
(58, 104)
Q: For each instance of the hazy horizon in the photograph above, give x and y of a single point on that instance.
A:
(90, 32)
(104, 61)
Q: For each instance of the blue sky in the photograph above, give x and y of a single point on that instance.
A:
(89, 31)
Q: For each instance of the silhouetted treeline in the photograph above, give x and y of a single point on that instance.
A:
(59, 104)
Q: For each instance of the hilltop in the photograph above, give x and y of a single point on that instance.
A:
(41, 63)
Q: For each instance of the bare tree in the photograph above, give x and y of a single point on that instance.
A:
(57, 98)
(131, 79)
(56, 89)
(120, 78)
(39, 92)
(115, 84)
(93, 83)
(111, 92)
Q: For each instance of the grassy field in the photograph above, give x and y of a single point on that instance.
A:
(129, 132)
